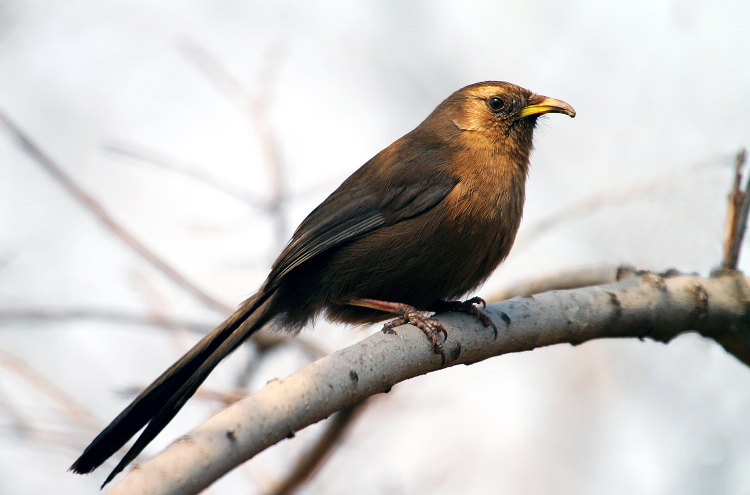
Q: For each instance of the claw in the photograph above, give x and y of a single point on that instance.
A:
(477, 300)
(469, 307)
(430, 327)
(388, 328)
(406, 314)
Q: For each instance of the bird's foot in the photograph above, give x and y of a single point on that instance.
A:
(469, 307)
(407, 314)
(431, 328)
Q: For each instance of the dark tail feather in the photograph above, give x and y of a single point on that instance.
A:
(160, 402)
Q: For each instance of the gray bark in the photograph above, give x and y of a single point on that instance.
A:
(641, 305)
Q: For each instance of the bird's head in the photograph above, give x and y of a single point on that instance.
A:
(495, 114)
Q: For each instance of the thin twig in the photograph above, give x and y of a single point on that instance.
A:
(114, 316)
(139, 154)
(96, 209)
(18, 419)
(738, 203)
(623, 193)
(255, 110)
(155, 304)
(263, 340)
(45, 438)
(47, 388)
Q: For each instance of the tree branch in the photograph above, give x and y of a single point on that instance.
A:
(641, 305)
(738, 203)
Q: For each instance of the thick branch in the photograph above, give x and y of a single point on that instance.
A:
(646, 305)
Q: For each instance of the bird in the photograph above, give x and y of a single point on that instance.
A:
(419, 225)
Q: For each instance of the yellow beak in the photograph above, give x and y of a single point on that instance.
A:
(539, 104)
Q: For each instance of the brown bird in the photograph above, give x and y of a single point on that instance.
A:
(422, 223)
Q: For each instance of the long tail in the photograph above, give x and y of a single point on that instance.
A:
(158, 404)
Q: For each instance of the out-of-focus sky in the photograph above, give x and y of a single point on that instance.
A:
(662, 91)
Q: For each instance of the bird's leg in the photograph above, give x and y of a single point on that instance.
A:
(407, 314)
(469, 306)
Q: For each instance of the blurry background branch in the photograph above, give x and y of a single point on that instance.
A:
(47, 388)
(613, 196)
(94, 207)
(138, 154)
(255, 109)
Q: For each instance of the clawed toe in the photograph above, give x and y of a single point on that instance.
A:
(469, 307)
(433, 329)
(476, 300)
(388, 328)
(430, 327)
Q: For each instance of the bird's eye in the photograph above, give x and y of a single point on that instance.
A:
(496, 103)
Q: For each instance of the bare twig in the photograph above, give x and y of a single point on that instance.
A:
(18, 419)
(113, 316)
(255, 110)
(45, 438)
(736, 222)
(96, 209)
(265, 339)
(47, 388)
(155, 304)
(623, 193)
(141, 155)
(642, 306)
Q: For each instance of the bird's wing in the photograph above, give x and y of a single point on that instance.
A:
(362, 204)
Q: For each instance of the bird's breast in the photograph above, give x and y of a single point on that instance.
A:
(485, 213)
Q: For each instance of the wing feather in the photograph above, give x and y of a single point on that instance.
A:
(358, 207)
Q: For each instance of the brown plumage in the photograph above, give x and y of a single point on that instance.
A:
(426, 220)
